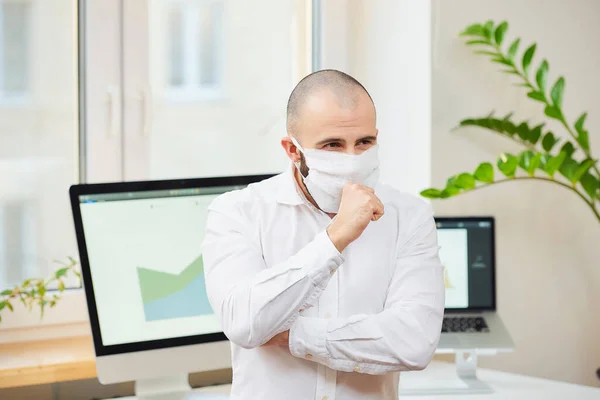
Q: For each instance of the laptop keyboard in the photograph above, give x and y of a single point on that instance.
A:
(464, 324)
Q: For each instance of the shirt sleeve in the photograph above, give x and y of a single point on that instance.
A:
(252, 301)
(404, 335)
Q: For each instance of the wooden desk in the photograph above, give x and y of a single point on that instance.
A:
(49, 361)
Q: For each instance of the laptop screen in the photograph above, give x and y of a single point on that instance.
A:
(467, 254)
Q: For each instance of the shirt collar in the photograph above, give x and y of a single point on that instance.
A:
(289, 192)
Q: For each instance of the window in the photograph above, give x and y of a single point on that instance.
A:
(195, 40)
(140, 57)
(39, 139)
(15, 32)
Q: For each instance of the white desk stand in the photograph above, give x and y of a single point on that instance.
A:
(467, 382)
(170, 388)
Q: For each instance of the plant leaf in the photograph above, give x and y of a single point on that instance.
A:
(583, 168)
(591, 185)
(527, 57)
(3, 304)
(473, 30)
(553, 112)
(525, 159)
(512, 50)
(465, 181)
(535, 134)
(487, 53)
(548, 141)
(500, 31)
(6, 292)
(10, 306)
(523, 131)
(568, 148)
(431, 193)
(556, 94)
(534, 163)
(61, 272)
(449, 192)
(479, 41)
(539, 96)
(61, 285)
(450, 181)
(568, 168)
(541, 75)
(554, 163)
(488, 29)
(484, 173)
(503, 61)
(507, 164)
(582, 135)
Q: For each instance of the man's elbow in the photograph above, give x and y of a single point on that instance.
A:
(420, 357)
(243, 338)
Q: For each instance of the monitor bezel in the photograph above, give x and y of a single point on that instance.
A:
(78, 190)
(491, 220)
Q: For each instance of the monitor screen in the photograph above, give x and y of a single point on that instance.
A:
(145, 262)
(467, 254)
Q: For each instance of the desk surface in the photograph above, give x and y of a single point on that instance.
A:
(506, 386)
(48, 361)
(51, 361)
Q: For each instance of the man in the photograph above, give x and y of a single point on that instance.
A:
(326, 282)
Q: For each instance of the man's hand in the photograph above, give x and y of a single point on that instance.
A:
(281, 339)
(358, 207)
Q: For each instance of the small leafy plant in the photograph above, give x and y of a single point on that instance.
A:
(36, 291)
(545, 157)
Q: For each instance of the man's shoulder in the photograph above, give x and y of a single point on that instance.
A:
(255, 194)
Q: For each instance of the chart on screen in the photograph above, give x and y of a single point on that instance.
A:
(167, 295)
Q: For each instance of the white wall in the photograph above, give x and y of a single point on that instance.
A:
(385, 44)
(547, 239)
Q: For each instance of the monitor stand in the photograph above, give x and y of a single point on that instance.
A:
(175, 387)
(467, 382)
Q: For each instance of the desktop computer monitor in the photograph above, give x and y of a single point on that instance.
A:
(140, 252)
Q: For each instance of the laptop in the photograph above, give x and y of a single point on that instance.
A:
(467, 252)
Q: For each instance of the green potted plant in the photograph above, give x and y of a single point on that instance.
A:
(545, 157)
(37, 292)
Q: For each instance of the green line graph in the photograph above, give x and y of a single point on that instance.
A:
(166, 295)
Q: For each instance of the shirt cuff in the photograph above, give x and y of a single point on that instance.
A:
(326, 255)
(308, 338)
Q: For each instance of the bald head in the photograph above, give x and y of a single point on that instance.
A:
(346, 90)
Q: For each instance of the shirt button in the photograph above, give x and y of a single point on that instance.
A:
(331, 272)
(357, 369)
(301, 310)
(309, 356)
(325, 398)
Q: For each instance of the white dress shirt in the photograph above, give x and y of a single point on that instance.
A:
(356, 319)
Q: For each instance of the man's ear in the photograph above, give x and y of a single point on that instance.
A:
(290, 149)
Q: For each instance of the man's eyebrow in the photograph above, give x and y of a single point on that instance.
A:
(370, 137)
(329, 140)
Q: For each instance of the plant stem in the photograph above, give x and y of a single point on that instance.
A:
(539, 178)
(562, 118)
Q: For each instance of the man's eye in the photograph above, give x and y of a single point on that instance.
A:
(332, 145)
(365, 141)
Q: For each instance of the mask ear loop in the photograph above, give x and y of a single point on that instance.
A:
(297, 163)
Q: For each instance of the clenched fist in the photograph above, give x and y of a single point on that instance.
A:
(359, 206)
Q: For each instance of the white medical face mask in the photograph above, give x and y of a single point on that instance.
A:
(329, 171)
